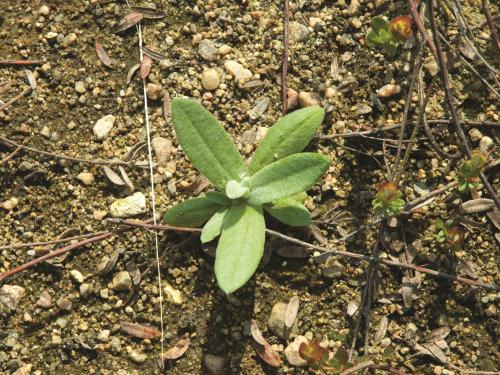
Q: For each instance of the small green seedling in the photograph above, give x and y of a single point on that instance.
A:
(449, 233)
(469, 171)
(274, 181)
(318, 357)
(387, 35)
(388, 201)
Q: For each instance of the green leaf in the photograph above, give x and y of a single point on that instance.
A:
(380, 23)
(373, 39)
(290, 212)
(191, 213)
(235, 189)
(213, 226)
(291, 134)
(206, 143)
(300, 197)
(241, 246)
(286, 177)
(218, 197)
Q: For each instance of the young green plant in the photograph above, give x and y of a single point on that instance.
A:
(449, 233)
(469, 172)
(388, 201)
(388, 34)
(274, 181)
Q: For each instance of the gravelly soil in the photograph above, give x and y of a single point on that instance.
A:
(55, 339)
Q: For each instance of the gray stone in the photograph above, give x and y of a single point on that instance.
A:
(298, 32)
(207, 50)
(45, 300)
(121, 281)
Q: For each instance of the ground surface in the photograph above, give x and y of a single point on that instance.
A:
(75, 90)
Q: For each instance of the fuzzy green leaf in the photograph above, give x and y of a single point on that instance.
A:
(206, 143)
(288, 176)
(213, 226)
(289, 135)
(218, 197)
(241, 246)
(191, 213)
(236, 189)
(289, 211)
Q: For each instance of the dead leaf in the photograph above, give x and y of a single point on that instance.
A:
(134, 272)
(146, 64)
(153, 54)
(139, 330)
(316, 232)
(67, 233)
(495, 218)
(334, 68)
(468, 267)
(291, 312)
(111, 263)
(178, 350)
(477, 205)
(131, 72)
(438, 334)
(262, 347)
(382, 329)
(150, 13)
(113, 176)
(127, 181)
(406, 291)
(102, 55)
(31, 79)
(128, 21)
(432, 350)
(167, 107)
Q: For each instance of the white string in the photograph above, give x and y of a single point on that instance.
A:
(153, 205)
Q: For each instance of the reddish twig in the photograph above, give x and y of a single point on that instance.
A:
(286, 41)
(491, 24)
(51, 242)
(19, 62)
(421, 27)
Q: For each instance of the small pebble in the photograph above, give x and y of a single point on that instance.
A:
(103, 336)
(69, 39)
(475, 135)
(11, 295)
(210, 79)
(86, 178)
(207, 50)
(237, 70)
(121, 281)
(389, 90)
(153, 91)
(103, 126)
(77, 276)
(307, 99)
(44, 10)
(137, 357)
(10, 204)
(80, 87)
(486, 144)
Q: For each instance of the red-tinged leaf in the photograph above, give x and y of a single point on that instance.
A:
(262, 347)
(178, 350)
(146, 64)
(401, 27)
(128, 21)
(131, 72)
(150, 13)
(312, 352)
(139, 330)
(291, 312)
(102, 55)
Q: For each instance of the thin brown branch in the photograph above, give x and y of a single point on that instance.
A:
(445, 81)
(25, 92)
(491, 25)
(11, 155)
(357, 367)
(286, 42)
(51, 242)
(53, 155)
(421, 27)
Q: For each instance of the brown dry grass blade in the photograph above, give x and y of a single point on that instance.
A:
(149, 13)
(139, 330)
(128, 21)
(178, 350)
(146, 64)
(153, 54)
(102, 55)
(113, 176)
